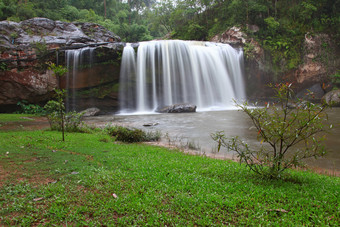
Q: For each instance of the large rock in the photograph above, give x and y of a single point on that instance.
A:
(312, 93)
(178, 108)
(55, 33)
(27, 85)
(332, 98)
(90, 112)
(25, 48)
(233, 35)
(320, 60)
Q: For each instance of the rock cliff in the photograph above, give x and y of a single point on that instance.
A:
(319, 61)
(25, 48)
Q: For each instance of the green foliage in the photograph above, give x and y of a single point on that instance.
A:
(26, 11)
(70, 13)
(279, 128)
(58, 70)
(72, 121)
(131, 135)
(336, 78)
(196, 32)
(272, 24)
(58, 119)
(27, 108)
(248, 50)
(40, 47)
(3, 66)
(56, 111)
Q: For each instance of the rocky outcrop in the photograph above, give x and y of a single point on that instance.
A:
(319, 60)
(25, 48)
(27, 85)
(332, 98)
(90, 112)
(178, 108)
(313, 93)
(233, 36)
(52, 33)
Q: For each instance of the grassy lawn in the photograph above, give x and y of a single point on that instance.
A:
(4, 118)
(91, 180)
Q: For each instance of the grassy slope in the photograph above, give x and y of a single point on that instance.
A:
(154, 186)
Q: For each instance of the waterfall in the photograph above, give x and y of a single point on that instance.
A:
(75, 60)
(162, 73)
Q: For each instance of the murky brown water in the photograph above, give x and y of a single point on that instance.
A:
(195, 128)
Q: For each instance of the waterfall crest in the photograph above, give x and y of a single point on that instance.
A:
(162, 73)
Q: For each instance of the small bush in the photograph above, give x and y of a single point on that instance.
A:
(128, 135)
(57, 117)
(27, 108)
(153, 136)
(336, 78)
(73, 121)
(279, 128)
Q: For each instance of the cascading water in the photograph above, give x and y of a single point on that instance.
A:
(75, 59)
(208, 75)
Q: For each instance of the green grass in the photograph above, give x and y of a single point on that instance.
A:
(74, 182)
(4, 118)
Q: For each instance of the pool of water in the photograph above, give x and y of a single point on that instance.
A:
(195, 129)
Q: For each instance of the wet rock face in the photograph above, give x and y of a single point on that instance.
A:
(332, 98)
(26, 85)
(25, 48)
(314, 93)
(319, 59)
(178, 108)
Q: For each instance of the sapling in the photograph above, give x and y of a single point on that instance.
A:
(280, 127)
(59, 71)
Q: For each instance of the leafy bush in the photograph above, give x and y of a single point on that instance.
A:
(72, 120)
(279, 128)
(27, 108)
(131, 135)
(3, 66)
(336, 78)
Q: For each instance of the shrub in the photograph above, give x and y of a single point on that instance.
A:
(131, 135)
(58, 119)
(27, 108)
(336, 78)
(73, 121)
(279, 128)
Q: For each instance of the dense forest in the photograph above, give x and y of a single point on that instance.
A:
(282, 23)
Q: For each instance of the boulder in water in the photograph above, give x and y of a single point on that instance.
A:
(178, 108)
(332, 98)
(90, 112)
(312, 93)
(150, 124)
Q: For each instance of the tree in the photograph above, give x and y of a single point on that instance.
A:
(162, 14)
(58, 105)
(279, 128)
